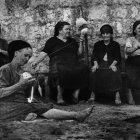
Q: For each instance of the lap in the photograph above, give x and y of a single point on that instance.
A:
(18, 110)
(70, 76)
(105, 80)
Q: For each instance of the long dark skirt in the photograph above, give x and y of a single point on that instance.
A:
(104, 80)
(133, 72)
(70, 76)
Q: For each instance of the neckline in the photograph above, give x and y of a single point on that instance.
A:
(61, 39)
(106, 44)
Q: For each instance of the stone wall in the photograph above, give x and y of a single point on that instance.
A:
(121, 14)
(34, 20)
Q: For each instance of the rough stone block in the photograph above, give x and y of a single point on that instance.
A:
(98, 12)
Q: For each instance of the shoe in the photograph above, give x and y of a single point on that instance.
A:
(81, 116)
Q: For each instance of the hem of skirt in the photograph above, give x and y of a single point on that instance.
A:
(106, 91)
(134, 88)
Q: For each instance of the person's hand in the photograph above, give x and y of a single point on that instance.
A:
(113, 68)
(82, 38)
(26, 81)
(94, 68)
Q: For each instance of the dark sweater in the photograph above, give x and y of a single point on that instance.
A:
(112, 50)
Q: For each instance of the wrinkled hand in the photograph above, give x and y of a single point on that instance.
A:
(113, 68)
(94, 68)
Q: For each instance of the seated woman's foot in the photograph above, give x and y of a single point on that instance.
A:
(91, 100)
(75, 100)
(61, 102)
(130, 97)
(118, 102)
(81, 116)
(117, 99)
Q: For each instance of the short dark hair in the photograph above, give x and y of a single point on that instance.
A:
(136, 23)
(59, 26)
(106, 29)
(15, 46)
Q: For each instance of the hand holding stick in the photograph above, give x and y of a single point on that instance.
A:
(30, 99)
(27, 75)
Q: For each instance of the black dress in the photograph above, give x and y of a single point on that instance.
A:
(104, 79)
(65, 68)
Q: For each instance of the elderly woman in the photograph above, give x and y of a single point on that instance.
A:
(105, 64)
(65, 70)
(14, 93)
(132, 49)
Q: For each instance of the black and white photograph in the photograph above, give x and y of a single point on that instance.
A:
(69, 69)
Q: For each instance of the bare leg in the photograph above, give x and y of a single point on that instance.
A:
(117, 98)
(59, 95)
(67, 115)
(59, 114)
(47, 89)
(130, 97)
(76, 95)
(92, 97)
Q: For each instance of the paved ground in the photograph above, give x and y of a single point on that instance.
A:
(107, 122)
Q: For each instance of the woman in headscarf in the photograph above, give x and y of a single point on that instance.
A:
(65, 70)
(13, 90)
(105, 64)
(132, 49)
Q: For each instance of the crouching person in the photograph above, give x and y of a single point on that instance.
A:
(13, 99)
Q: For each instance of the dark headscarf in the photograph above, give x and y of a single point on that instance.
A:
(106, 29)
(59, 26)
(136, 23)
(16, 45)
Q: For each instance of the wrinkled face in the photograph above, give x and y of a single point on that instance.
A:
(65, 32)
(22, 56)
(106, 36)
(137, 30)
